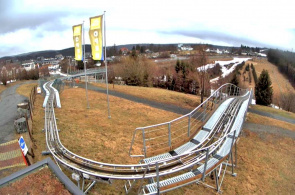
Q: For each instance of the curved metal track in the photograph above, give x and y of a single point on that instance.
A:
(98, 170)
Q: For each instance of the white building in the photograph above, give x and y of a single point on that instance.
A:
(29, 65)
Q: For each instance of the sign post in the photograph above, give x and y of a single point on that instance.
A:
(23, 145)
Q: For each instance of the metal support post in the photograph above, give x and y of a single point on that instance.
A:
(169, 134)
(91, 185)
(83, 183)
(144, 146)
(231, 152)
(158, 182)
(216, 180)
(189, 126)
(205, 166)
(236, 158)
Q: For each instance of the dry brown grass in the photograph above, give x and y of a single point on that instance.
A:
(265, 162)
(3, 87)
(95, 136)
(25, 89)
(265, 166)
(156, 94)
(280, 83)
(258, 119)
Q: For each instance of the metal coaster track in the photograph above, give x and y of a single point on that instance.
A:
(95, 170)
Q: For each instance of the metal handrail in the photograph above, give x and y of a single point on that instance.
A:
(216, 93)
(59, 152)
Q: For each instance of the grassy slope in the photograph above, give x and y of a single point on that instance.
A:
(280, 83)
(96, 135)
(282, 113)
(258, 119)
(108, 140)
(90, 128)
(25, 89)
(157, 94)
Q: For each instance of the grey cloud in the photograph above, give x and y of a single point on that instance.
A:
(12, 19)
(235, 40)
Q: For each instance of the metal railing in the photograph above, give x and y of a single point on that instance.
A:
(96, 170)
(155, 139)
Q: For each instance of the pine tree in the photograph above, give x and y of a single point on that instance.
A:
(263, 89)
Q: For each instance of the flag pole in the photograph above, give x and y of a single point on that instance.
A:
(85, 67)
(106, 64)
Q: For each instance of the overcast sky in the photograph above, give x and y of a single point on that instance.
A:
(34, 25)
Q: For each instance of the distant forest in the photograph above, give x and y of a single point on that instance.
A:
(285, 61)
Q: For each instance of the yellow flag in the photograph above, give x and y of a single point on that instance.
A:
(95, 34)
(77, 36)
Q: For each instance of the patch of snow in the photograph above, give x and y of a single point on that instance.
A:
(276, 107)
(225, 71)
(58, 72)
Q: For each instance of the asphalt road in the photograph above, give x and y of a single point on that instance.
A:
(8, 112)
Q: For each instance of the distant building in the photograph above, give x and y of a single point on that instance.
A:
(51, 61)
(182, 47)
(28, 65)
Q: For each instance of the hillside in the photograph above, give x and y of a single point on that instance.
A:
(280, 84)
(70, 51)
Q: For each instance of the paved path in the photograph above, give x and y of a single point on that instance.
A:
(8, 111)
(258, 128)
(274, 116)
(163, 106)
(176, 109)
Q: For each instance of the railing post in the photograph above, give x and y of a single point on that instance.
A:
(169, 134)
(189, 126)
(231, 152)
(205, 166)
(229, 90)
(158, 182)
(143, 139)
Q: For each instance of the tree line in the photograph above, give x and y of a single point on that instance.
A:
(184, 76)
(285, 61)
(21, 74)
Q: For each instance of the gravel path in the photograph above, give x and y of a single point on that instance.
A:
(8, 111)
(258, 128)
(274, 116)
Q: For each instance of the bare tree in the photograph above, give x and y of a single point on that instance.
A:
(4, 76)
(199, 61)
